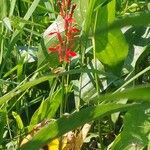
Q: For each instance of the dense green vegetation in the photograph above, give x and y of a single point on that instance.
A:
(72, 63)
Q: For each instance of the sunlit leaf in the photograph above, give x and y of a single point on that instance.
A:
(111, 47)
(68, 123)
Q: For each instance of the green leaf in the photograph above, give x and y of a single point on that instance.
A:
(139, 93)
(86, 11)
(140, 19)
(3, 8)
(136, 129)
(55, 102)
(88, 17)
(26, 17)
(44, 57)
(80, 11)
(7, 23)
(65, 124)
(27, 85)
(47, 108)
(23, 87)
(12, 7)
(18, 120)
(111, 47)
(2, 124)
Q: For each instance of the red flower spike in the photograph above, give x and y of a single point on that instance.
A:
(66, 43)
(66, 25)
(69, 19)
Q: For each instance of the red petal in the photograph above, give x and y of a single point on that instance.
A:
(73, 29)
(69, 36)
(52, 49)
(59, 49)
(71, 53)
(59, 37)
(51, 33)
(69, 19)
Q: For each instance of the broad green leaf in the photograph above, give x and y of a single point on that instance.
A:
(85, 87)
(80, 11)
(85, 12)
(65, 124)
(136, 129)
(139, 93)
(111, 47)
(140, 19)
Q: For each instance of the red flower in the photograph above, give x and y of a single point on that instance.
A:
(57, 49)
(68, 20)
(66, 42)
(69, 54)
(52, 49)
(73, 29)
(70, 35)
(58, 36)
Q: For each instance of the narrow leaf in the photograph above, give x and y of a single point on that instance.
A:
(65, 124)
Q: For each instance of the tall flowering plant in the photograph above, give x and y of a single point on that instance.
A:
(65, 43)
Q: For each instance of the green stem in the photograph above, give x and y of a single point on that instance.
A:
(97, 81)
(98, 93)
(132, 79)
